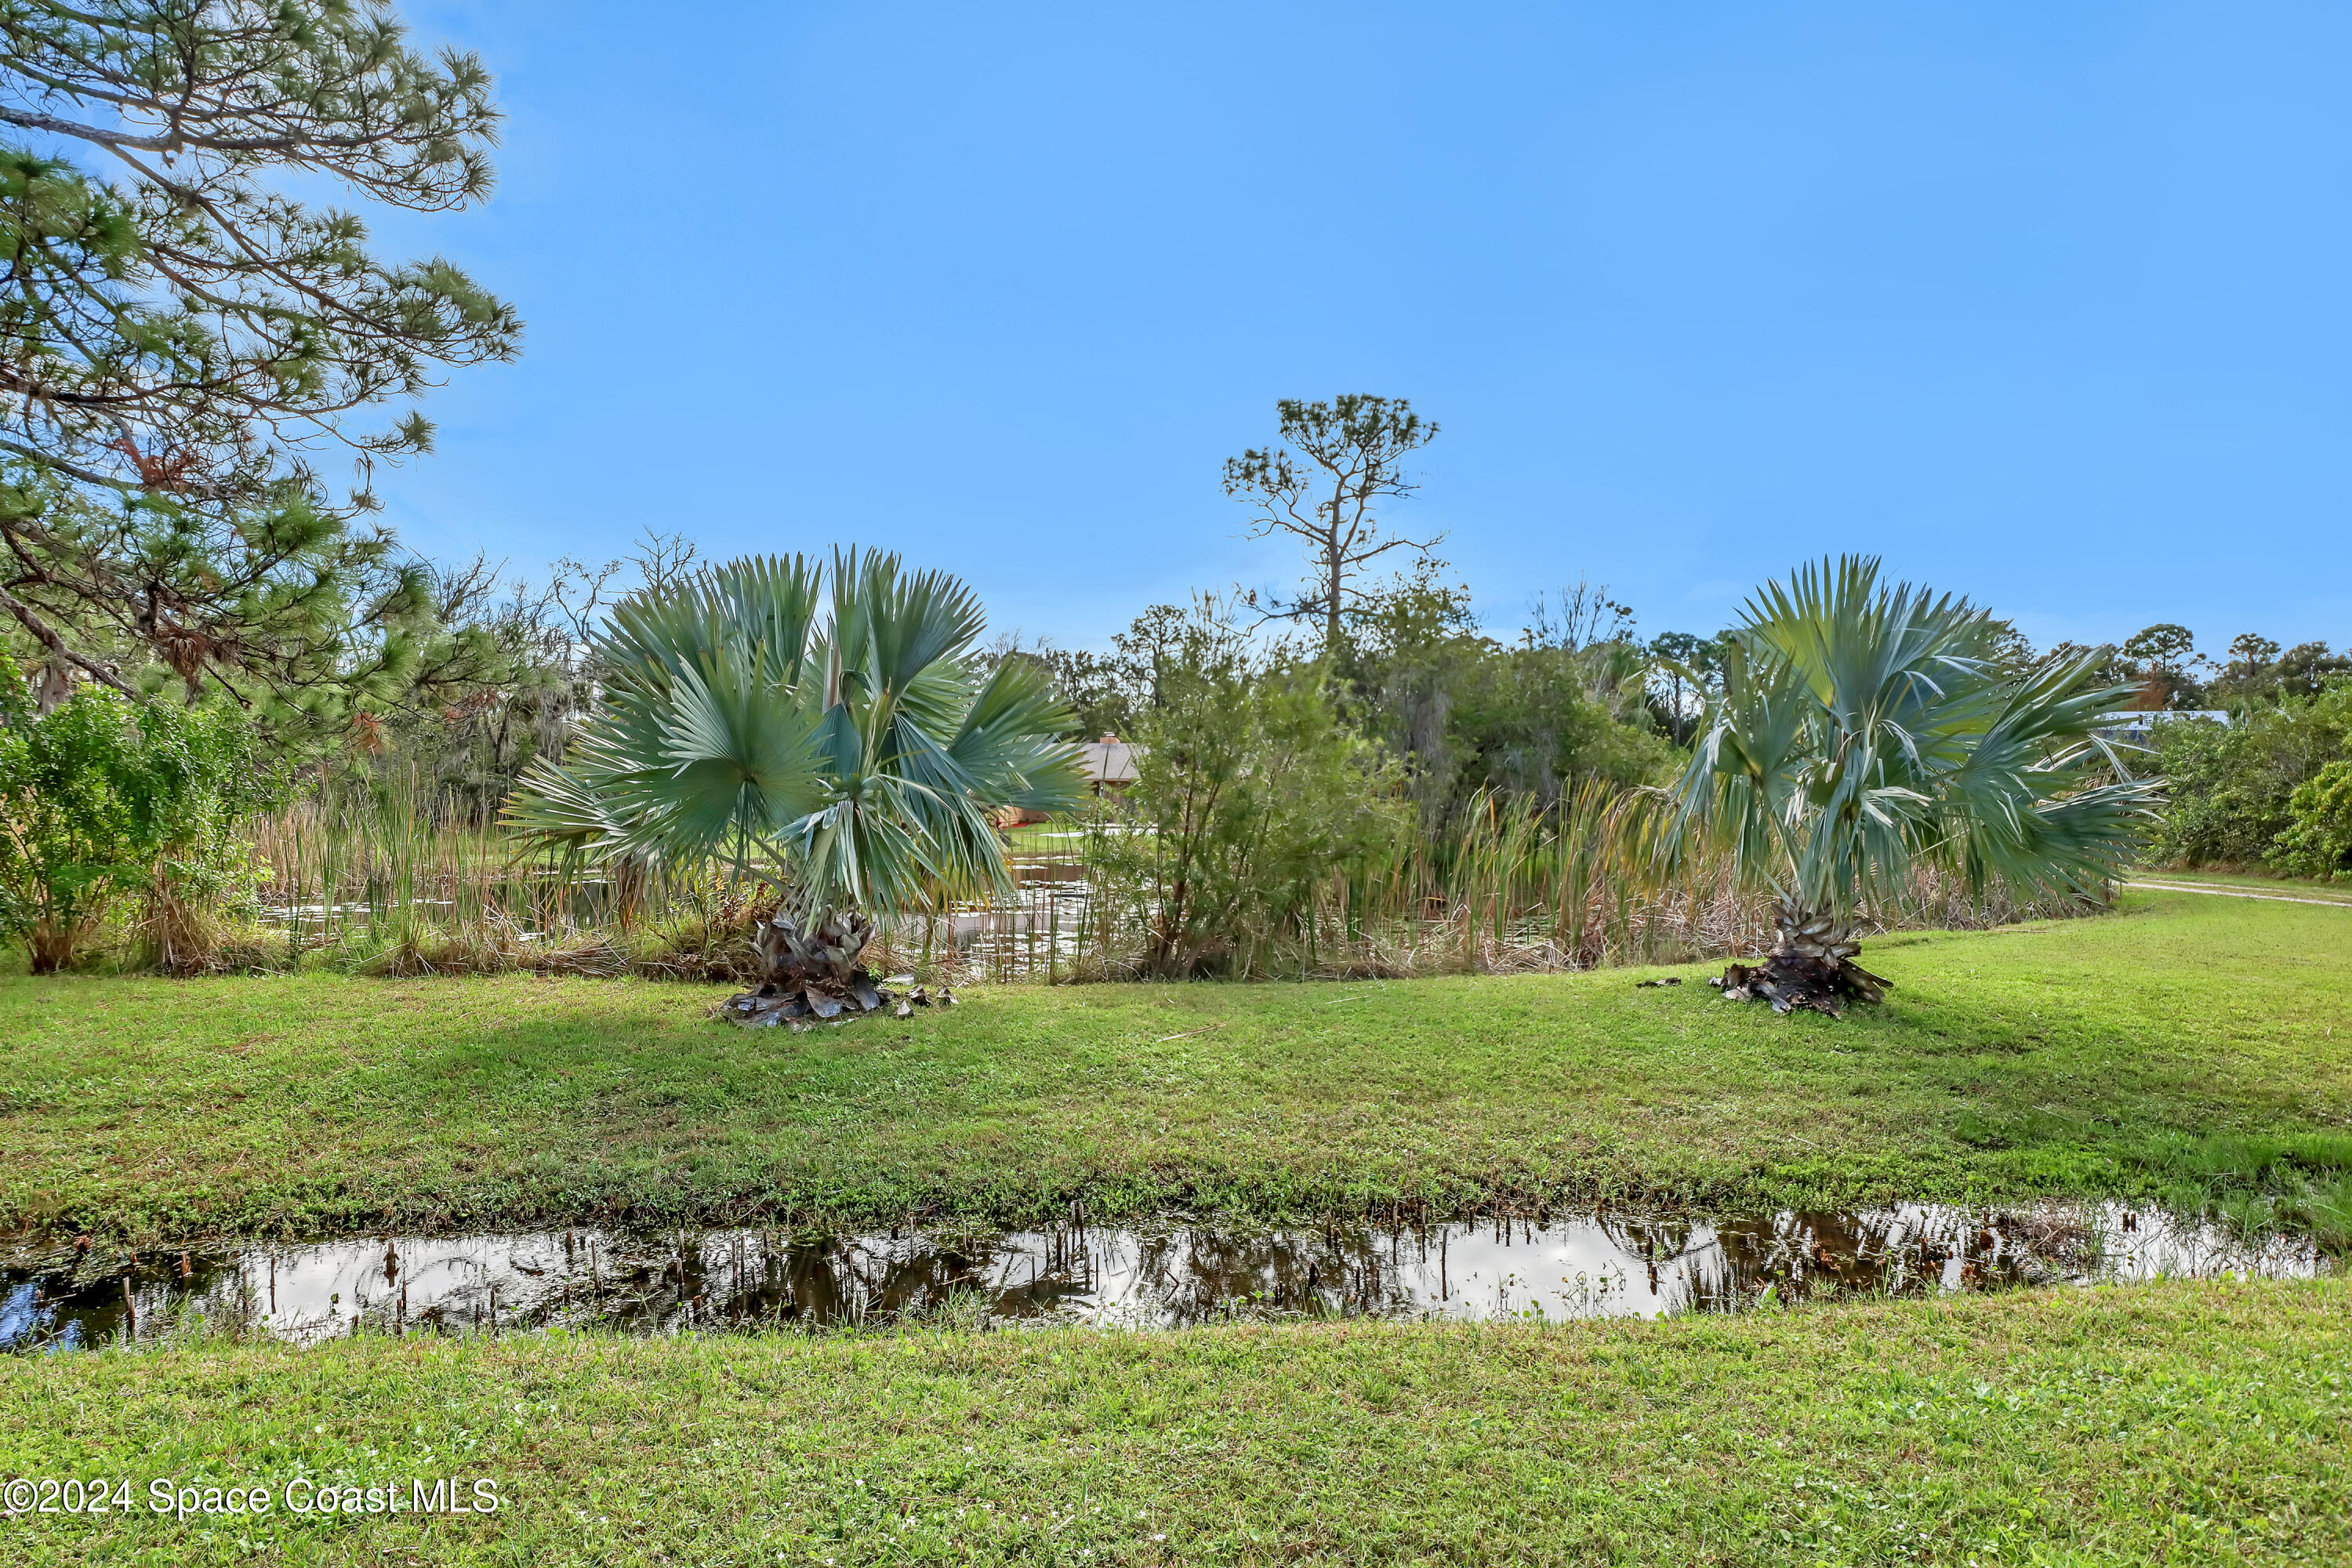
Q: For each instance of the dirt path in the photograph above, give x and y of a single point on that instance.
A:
(2239, 893)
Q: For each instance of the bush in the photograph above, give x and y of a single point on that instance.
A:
(1473, 718)
(1252, 791)
(2233, 786)
(102, 800)
(2319, 844)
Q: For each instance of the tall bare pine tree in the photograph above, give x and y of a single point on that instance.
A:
(1324, 482)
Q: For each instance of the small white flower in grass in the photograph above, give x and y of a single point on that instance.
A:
(1160, 1537)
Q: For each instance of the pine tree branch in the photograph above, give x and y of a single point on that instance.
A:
(49, 638)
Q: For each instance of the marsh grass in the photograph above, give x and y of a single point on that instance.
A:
(1513, 887)
(394, 875)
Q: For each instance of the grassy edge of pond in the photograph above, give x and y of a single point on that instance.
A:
(2149, 1424)
(2184, 1046)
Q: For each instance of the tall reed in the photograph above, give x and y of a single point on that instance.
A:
(1521, 886)
(390, 875)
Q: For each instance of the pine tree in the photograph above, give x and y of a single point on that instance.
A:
(180, 340)
(1324, 482)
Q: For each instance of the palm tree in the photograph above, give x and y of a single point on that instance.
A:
(852, 750)
(1861, 730)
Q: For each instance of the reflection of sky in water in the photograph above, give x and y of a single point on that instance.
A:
(1592, 1265)
(21, 1315)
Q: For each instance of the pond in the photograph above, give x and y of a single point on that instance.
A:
(1039, 926)
(1600, 1263)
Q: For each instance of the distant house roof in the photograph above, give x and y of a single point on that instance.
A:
(2143, 718)
(2138, 725)
(1109, 761)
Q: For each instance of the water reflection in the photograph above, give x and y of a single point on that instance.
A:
(1039, 925)
(1592, 1265)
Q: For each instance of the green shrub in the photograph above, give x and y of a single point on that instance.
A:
(2319, 844)
(2231, 787)
(1252, 791)
(102, 800)
(1473, 718)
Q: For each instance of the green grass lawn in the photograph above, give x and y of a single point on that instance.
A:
(1058, 836)
(2154, 1425)
(2187, 1038)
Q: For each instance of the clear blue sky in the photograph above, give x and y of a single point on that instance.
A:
(2045, 302)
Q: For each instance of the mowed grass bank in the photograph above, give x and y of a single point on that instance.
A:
(2162, 1423)
(2187, 1038)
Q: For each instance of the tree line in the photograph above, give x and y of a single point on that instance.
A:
(187, 351)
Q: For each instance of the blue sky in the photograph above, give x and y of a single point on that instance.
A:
(2045, 303)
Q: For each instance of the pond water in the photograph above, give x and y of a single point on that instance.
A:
(1038, 926)
(1596, 1264)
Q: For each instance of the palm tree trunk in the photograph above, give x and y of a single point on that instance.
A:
(815, 972)
(824, 955)
(1812, 965)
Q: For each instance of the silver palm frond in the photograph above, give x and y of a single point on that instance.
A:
(828, 721)
(1863, 729)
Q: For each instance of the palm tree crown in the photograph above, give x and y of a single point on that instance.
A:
(832, 725)
(1862, 729)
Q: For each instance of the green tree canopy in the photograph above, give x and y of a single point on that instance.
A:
(1251, 790)
(2164, 655)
